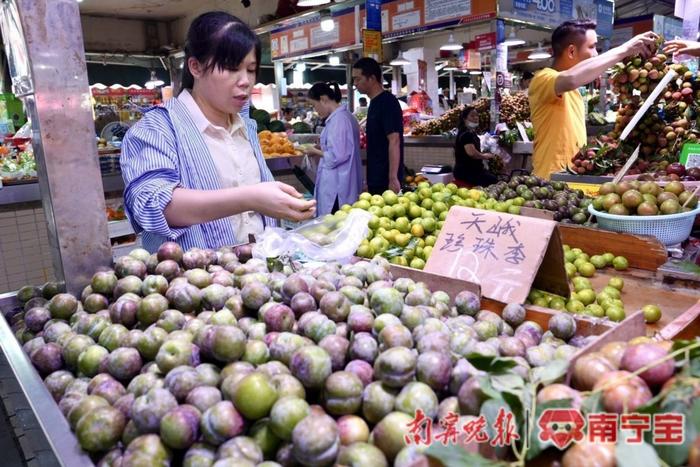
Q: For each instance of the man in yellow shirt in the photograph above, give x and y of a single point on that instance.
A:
(556, 107)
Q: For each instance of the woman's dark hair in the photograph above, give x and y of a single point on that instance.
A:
(462, 127)
(218, 40)
(570, 32)
(330, 90)
(369, 67)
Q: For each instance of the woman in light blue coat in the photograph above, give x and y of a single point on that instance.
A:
(339, 174)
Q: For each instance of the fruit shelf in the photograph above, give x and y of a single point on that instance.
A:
(54, 426)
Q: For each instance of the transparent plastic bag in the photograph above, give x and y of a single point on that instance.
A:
(330, 238)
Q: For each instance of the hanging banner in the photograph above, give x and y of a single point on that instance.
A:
(372, 45)
(554, 12)
(485, 41)
(401, 17)
(306, 36)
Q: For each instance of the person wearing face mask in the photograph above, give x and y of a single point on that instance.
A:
(193, 169)
(339, 173)
(469, 167)
(556, 107)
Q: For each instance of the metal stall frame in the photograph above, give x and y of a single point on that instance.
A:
(44, 44)
(53, 424)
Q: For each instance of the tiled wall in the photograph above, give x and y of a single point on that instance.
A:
(24, 249)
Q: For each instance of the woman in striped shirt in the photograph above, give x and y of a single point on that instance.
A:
(193, 168)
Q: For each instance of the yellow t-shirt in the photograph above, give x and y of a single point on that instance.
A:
(559, 123)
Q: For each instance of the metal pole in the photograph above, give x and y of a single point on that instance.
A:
(44, 43)
(452, 85)
(279, 82)
(396, 80)
(351, 88)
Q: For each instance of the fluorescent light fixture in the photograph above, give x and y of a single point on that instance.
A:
(301, 66)
(512, 41)
(306, 3)
(451, 44)
(539, 54)
(475, 72)
(450, 68)
(400, 60)
(154, 82)
(334, 60)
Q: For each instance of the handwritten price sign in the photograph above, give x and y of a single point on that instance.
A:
(503, 253)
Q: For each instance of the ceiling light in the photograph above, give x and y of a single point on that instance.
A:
(539, 53)
(305, 3)
(512, 41)
(451, 44)
(400, 60)
(334, 60)
(475, 72)
(154, 82)
(327, 23)
(450, 68)
(301, 66)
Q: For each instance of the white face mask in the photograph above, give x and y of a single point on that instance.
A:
(472, 125)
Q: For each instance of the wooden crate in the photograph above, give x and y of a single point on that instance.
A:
(585, 325)
(680, 306)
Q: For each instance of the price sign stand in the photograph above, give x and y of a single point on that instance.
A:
(506, 254)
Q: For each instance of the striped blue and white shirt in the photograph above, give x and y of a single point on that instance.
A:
(164, 151)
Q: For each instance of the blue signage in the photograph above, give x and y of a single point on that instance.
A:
(373, 9)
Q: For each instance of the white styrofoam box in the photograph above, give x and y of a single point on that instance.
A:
(440, 178)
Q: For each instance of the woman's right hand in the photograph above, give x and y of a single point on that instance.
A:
(281, 201)
(488, 155)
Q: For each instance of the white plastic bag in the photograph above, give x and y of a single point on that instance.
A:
(330, 238)
(489, 143)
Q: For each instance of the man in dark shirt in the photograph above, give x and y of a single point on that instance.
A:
(384, 129)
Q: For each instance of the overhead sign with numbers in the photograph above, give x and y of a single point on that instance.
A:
(554, 12)
(505, 254)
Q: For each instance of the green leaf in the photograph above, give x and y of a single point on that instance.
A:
(536, 445)
(635, 455)
(455, 456)
(694, 368)
(507, 382)
(489, 410)
(490, 364)
(486, 388)
(695, 414)
(593, 403)
(515, 402)
(681, 344)
(677, 454)
(549, 373)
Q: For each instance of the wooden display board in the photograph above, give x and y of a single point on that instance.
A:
(505, 254)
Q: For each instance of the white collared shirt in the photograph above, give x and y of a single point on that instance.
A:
(234, 159)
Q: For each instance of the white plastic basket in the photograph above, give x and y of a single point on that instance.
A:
(669, 229)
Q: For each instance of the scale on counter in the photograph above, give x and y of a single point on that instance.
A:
(437, 173)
